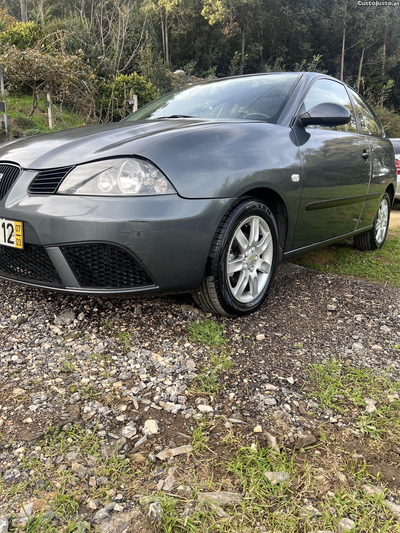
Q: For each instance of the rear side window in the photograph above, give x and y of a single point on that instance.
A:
(370, 125)
(396, 146)
(328, 91)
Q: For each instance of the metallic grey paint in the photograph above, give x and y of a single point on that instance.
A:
(210, 163)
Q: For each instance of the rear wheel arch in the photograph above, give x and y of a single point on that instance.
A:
(390, 191)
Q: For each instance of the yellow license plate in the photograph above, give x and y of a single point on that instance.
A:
(11, 233)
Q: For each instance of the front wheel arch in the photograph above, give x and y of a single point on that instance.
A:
(242, 260)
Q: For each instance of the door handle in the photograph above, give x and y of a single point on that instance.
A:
(365, 154)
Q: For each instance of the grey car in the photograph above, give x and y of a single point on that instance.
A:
(204, 190)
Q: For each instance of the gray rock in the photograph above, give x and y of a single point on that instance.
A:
(271, 440)
(346, 524)
(393, 507)
(150, 428)
(170, 482)
(372, 490)
(155, 512)
(205, 408)
(277, 477)
(11, 475)
(4, 525)
(172, 452)
(306, 439)
(129, 431)
(100, 516)
(220, 498)
(65, 318)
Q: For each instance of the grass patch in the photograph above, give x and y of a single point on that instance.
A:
(291, 506)
(210, 334)
(357, 391)
(380, 266)
(19, 108)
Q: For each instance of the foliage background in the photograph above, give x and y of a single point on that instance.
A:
(112, 38)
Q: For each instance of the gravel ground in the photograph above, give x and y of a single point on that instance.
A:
(124, 369)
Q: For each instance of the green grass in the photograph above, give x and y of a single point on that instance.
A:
(345, 389)
(210, 334)
(381, 266)
(287, 507)
(19, 108)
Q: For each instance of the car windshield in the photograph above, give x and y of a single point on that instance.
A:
(251, 98)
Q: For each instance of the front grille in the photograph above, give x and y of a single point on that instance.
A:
(8, 173)
(48, 181)
(104, 266)
(32, 264)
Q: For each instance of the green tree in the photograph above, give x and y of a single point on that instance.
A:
(22, 35)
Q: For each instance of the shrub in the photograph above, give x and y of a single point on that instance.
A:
(22, 35)
(24, 122)
(113, 97)
(390, 121)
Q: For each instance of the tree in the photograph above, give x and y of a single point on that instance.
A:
(163, 9)
(234, 15)
(68, 77)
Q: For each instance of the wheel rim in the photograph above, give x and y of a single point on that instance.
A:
(249, 259)
(382, 221)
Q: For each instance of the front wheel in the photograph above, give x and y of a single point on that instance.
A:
(374, 238)
(242, 261)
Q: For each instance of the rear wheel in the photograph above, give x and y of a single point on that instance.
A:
(242, 261)
(374, 238)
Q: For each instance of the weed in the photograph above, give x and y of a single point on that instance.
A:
(348, 389)
(125, 338)
(68, 366)
(208, 333)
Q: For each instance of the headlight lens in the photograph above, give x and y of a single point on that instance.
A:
(116, 177)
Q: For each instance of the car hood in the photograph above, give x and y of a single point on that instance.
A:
(89, 143)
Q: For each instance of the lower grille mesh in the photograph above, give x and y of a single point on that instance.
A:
(104, 266)
(32, 264)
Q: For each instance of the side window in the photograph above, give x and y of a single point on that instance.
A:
(328, 91)
(369, 123)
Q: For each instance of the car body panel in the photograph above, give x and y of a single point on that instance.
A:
(396, 146)
(141, 225)
(333, 189)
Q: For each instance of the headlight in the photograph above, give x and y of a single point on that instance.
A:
(116, 177)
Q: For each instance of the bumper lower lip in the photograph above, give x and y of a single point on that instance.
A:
(164, 240)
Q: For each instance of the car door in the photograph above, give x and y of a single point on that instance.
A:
(382, 162)
(336, 169)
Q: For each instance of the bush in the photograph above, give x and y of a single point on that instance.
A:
(22, 35)
(24, 122)
(32, 131)
(113, 97)
(389, 120)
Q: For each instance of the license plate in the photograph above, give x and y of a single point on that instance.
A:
(11, 233)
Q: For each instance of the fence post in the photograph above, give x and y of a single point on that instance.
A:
(133, 101)
(3, 101)
(50, 109)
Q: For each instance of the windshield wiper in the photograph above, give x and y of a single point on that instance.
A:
(175, 116)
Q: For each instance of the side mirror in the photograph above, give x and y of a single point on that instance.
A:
(326, 114)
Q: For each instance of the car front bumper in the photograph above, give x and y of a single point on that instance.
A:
(110, 245)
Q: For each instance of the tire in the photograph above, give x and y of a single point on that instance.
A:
(374, 238)
(242, 261)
